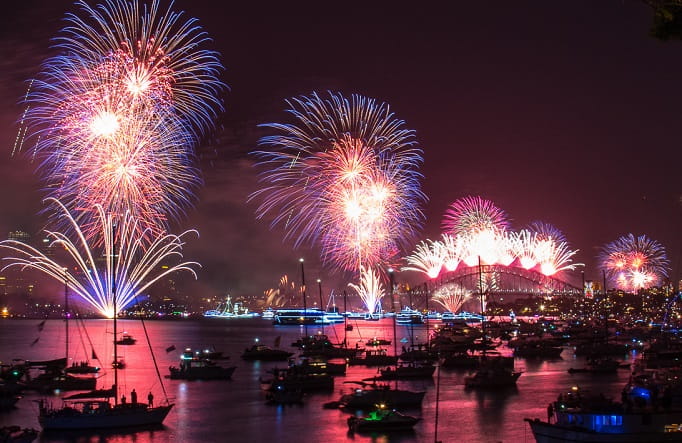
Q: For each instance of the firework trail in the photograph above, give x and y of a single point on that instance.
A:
(127, 98)
(428, 258)
(342, 176)
(370, 289)
(633, 263)
(451, 296)
(546, 231)
(138, 263)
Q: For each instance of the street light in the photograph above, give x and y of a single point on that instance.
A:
(319, 288)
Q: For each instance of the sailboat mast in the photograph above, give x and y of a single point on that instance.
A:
(345, 318)
(66, 316)
(113, 293)
(305, 303)
(395, 334)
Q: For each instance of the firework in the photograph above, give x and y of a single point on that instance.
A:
(451, 296)
(343, 176)
(428, 258)
(633, 263)
(471, 215)
(545, 231)
(116, 113)
(136, 267)
(453, 252)
(477, 230)
(370, 289)
(281, 296)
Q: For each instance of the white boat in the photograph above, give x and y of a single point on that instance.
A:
(309, 316)
(580, 418)
(268, 314)
(230, 310)
(409, 316)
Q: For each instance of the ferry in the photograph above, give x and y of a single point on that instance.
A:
(309, 316)
(409, 316)
(230, 310)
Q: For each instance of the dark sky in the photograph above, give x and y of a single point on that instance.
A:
(567, 112)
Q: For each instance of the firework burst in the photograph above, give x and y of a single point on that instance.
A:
(137, 265)
(471, 215)
(451, 296)
(633, 263)
(344, 176)
(116, 114)
(370, 289)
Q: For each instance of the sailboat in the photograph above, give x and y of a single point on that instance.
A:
(57, 375)
(368, 395)
(494, 371)
(100, 413)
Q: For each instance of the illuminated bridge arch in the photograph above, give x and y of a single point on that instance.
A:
(506, 280)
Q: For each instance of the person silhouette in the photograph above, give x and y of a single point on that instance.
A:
(150, 399)
(133, 397)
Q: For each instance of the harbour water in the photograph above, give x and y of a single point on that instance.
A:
(236, 410)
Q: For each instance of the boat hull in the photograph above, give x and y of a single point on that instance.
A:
(550, 433)
(116, 418)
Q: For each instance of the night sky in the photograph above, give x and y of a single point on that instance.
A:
(566, 112)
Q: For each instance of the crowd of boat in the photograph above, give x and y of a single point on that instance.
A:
(650, 407)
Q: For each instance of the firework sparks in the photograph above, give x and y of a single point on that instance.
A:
(370, 289)
(471, 215)
(136, 268)
(477, 229)
(451, 296)
(428, 258)
(343, 176)
(116, 114)
(633, 263)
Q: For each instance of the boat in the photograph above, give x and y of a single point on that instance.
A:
(537, 349)
(101, 413)
(295, 379)
(378, 342)
(309, 366)
(410, 371)
(268, 314)
(468, 317)
(375, 316)
(265, 353)
(82, 368)
(493, 372)
(118, 364)
(447, 316)
(54, 379)
(368, 395)
(17, 434)
(230, 310)
(409, 316)
(382, 419)
(602, 365)
(308, 316)
(579, 417)
(194, 366)
(374, 357)
(126, 340)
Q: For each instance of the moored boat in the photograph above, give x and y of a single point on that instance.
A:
(577, 417)
(382, 419)
(261, 352)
